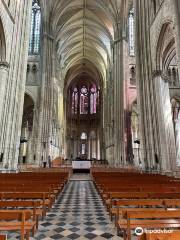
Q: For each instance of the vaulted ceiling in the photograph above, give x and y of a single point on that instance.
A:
(84, 31)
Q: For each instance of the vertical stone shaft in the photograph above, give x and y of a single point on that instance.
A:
(15, 86)
(118, 100)
(46, 101)
(152, 122)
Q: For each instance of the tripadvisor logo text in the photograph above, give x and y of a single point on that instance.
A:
(139, 231)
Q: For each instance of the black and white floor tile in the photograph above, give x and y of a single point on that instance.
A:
(81, 177)
(77, 214)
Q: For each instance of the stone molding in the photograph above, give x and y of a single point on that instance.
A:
(4, 64)
(160, 73)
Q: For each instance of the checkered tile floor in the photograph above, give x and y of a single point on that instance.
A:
(77, 214)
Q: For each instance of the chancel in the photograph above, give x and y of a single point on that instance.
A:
(90, 119)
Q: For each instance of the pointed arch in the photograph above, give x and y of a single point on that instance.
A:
(2, 43)
(166, 49)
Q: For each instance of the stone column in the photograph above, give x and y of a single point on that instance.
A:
(150, 96)
(167, 156)
(77, 146)
(148, 139)
(22, 145)
(89, 149)
(177, 30)
(15, 86)
(34, 138)
(47, 95)
(107, 115)
(118, 75)
(29, 151)
(4, 69)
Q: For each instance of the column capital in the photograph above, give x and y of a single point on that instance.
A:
(156, 73)
(160, 73)
(49, 36)
(118, 40)
(4, 64)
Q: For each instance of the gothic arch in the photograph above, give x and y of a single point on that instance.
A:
(166, 49)
(28, 112)
(2, 43)
(30, 94)
(176, 98)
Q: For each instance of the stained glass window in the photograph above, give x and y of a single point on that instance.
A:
(131, 33)
(93, 98)
(84, 101)
(75, 101)
(34, 42)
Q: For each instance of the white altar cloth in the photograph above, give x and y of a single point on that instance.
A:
(81, 164)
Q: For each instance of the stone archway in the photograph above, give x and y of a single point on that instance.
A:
(83, 114)
(26, 154)
(165, 79)
(3, 75)
(166, 49)
(175, 107)
(2, 43)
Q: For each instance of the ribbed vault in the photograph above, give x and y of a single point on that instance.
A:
(84, 32)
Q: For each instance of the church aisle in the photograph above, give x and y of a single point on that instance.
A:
(77, 214)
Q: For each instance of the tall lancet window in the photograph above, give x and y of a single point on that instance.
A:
(93, 100)
(84, 101)
(75, 101)
(34, 41)
(131, 33)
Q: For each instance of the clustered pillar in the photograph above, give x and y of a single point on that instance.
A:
(118, 78)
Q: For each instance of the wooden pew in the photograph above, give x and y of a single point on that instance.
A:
(175, 235)
(46, 199)
(164, 195)
(138, 195)
(117, 206)
(152, 219)
(3, 237)
(123, 195)
(31, 191)
(35, 207)
(17, 220)
(172, 203)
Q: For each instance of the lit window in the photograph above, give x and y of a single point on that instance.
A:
(75, 101)
(93, 100)
(84, 101)
(83, 136)
(34, 42)
(131, 33)
(83, 149)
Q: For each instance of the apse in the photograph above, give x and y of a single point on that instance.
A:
(83, 94)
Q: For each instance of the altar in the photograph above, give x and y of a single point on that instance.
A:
(81, 166)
